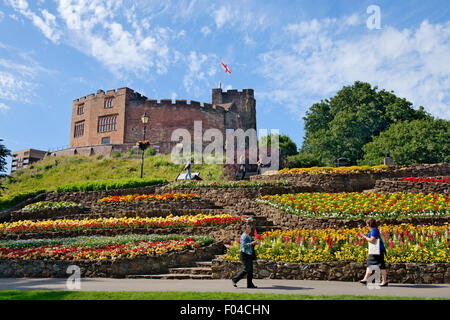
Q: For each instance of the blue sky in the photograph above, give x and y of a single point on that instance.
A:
(293, 53)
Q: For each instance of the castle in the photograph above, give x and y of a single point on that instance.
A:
(109, 121)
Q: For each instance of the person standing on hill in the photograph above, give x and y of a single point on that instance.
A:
(188, 168)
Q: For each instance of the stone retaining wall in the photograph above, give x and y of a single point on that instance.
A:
(49, 213)
(358, 182)
(234, 196)
(86, 198)
(396, 185)
(335, 271)
(108, 268)
(292, 221)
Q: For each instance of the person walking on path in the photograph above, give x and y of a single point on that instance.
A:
(246, 255)
(188, 168)
(374, 238)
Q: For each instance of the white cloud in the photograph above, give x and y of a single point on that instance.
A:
(201, 70)
(97, 28)
(4, 107)
(18, 75)
(1, 15)
(205, 30)
(326, 55)
(222, 16)
(46, 23)
(93, 29)
(241, 16)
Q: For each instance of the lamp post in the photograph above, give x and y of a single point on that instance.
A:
(144, 120)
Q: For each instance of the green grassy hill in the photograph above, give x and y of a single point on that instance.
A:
(53, 172)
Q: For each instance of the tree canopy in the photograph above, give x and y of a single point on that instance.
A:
(341, 126)
(417, 141)
(4, 152)
(287, 147)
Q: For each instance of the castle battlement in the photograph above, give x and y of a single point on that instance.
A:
(181, 103)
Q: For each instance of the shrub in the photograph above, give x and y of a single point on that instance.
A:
(108, 185)
(303, 160)
(116, 154)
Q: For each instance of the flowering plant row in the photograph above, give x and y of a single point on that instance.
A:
(324, 170)
(357, 205)
(99, 248)
(403, 243)
(443, 180)
(200, 220)
(149, 197)
(41, 205)
(228, 184)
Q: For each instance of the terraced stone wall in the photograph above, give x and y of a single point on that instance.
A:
(358, 182)
(335, 271)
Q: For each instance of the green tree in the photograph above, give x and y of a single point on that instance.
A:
(287, 147)
(4, 152)
(417, 141)
(342, 125)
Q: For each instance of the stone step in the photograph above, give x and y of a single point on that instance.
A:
(175, 276)
(203, 263)
(191, 270)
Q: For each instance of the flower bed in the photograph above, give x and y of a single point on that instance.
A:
(149, 197)
(228, 184)
(357, 205)
(43, 205)
(404, 244)
(443, 180)
(325, 170)
(199, 220)
(98, 248)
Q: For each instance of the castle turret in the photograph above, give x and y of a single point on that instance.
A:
(244, 102)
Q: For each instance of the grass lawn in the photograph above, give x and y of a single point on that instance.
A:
(52, 172)
(173, 295)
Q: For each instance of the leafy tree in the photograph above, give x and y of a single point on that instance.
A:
(286, 145)
(417, 141)
(342, 125)
(4, 152)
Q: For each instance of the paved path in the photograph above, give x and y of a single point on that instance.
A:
(267, 286)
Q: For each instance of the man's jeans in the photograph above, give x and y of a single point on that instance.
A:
(188, 174)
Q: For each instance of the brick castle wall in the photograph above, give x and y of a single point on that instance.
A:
(229, 110)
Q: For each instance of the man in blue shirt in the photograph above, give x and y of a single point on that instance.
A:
(246, 255)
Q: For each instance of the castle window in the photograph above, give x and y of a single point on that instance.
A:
(79, 129)
(108, 103)
(80, 109)
(106, 140)
(107, 123)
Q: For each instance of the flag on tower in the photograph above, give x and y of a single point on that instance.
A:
(227, 70)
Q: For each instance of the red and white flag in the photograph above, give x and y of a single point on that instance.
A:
(227, 70)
